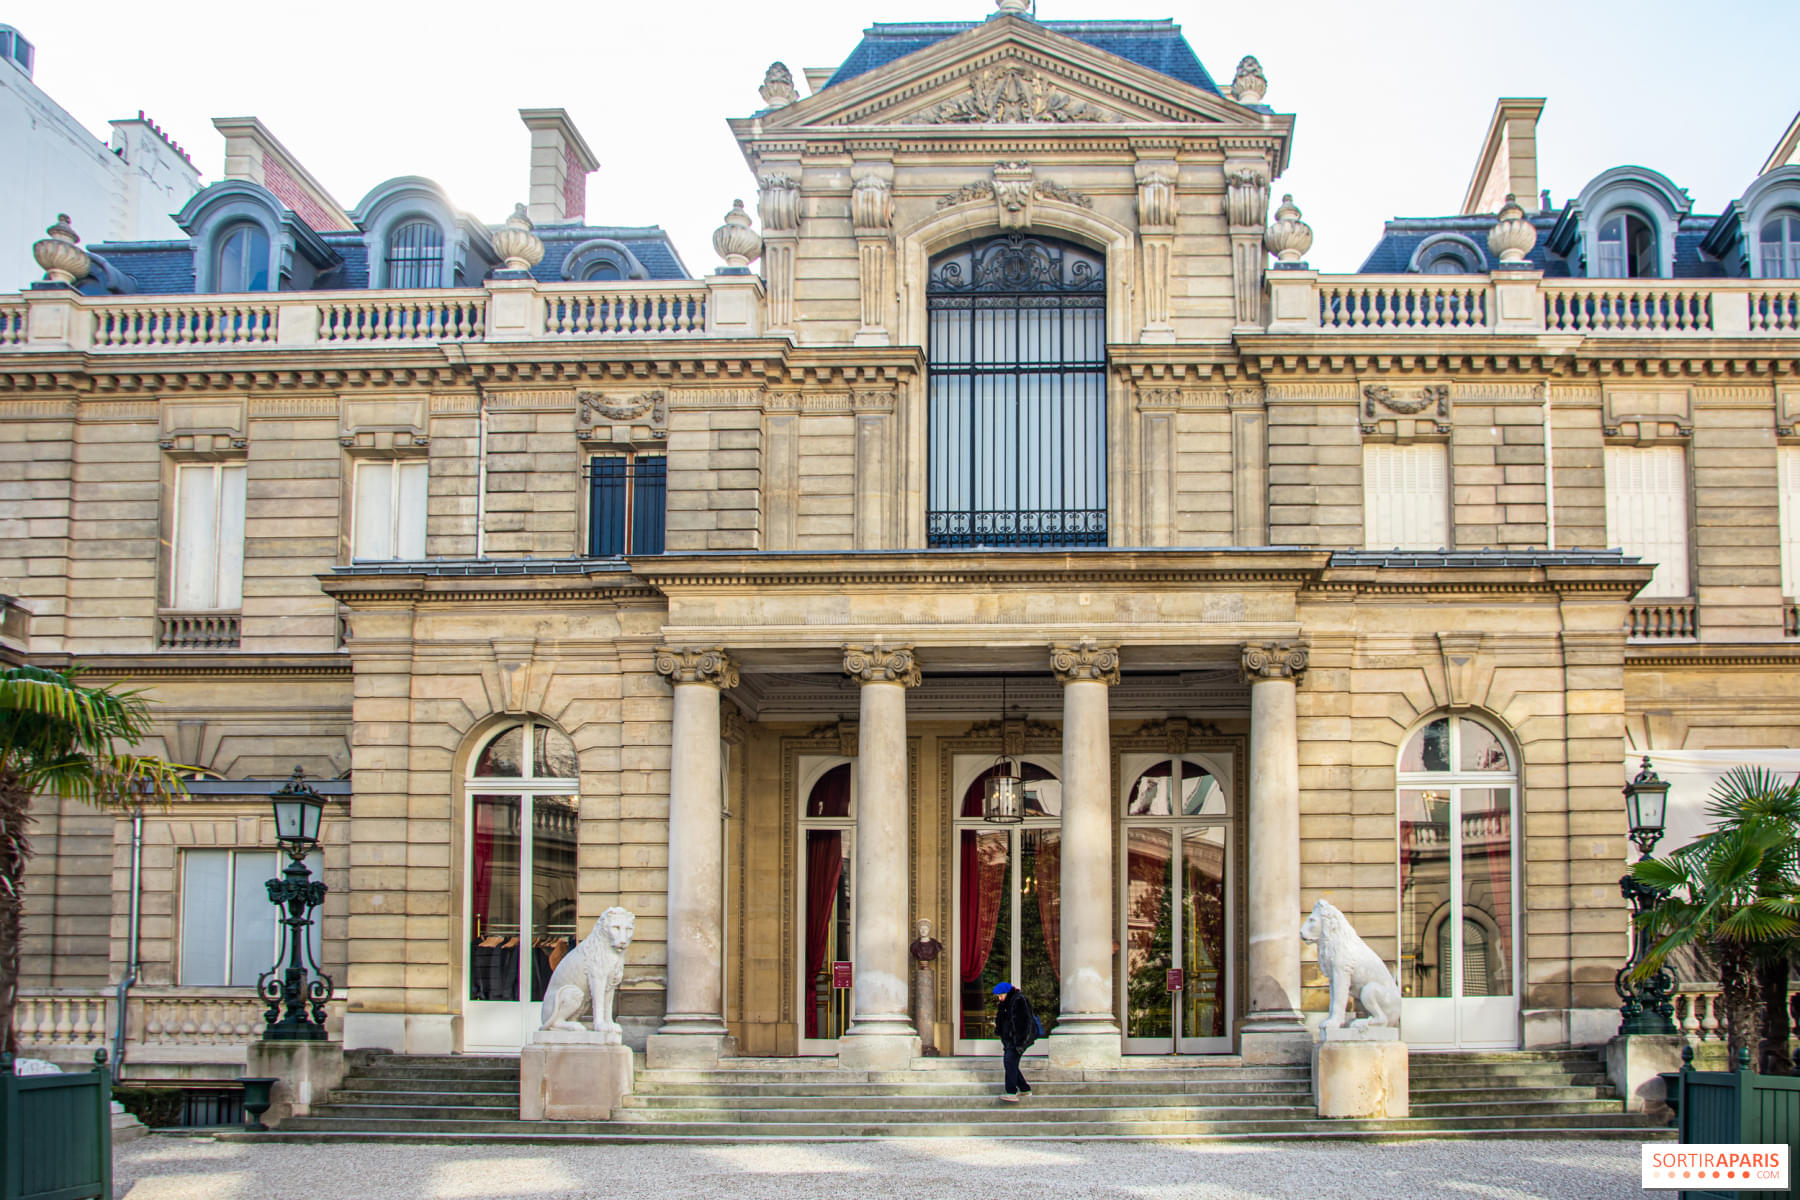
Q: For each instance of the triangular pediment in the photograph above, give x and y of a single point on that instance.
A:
(1009, 71)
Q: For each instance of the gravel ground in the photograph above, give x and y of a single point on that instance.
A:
(171, 1168)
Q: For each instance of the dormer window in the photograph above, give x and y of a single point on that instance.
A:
(243, 259)
(1448, 254)
(415, 256)
(1627, 248)
(1779, 244)
(604, 269)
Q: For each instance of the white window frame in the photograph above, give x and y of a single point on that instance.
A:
(1661, 537)
(235, 857)
(227, 553)
(1786, 245)
(1788, 492)
(1415, 515)
(397, 468)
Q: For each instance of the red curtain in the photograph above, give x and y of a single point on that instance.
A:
(1049, 895)
(482, 886)
(824, 865)
(983, 878)
(830, 796)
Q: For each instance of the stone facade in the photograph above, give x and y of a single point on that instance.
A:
(1236, 616)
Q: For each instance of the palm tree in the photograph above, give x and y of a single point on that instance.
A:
(58, 738)
(1736, 891)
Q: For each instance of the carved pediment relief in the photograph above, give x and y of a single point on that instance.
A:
(1010, 93)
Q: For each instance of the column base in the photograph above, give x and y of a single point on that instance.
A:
(877, 1051)
(1270, 1038)
(687, 1051)
(573, 1082)
(1088, 1047)
(1635, 1063)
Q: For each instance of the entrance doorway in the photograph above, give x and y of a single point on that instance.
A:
(827, 862)
(1175, 908)
(1458, 888)
(1008, 889)
(519, 867)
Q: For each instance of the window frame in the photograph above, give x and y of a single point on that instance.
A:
(396, 466)
(1445, 511)
(216, 470)
(1787, 247)
(1624, 216)
(633, 523)
(222, 244)
(427, 256)
(1661, 585)
(234, 856)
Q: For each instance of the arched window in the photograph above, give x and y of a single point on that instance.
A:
(1780, 246)
(415, 256)
(1458, 781)
(243, 264)
(604, 269)
(523, 818)
(1628, 248)
(828, 832)
(1017, 366)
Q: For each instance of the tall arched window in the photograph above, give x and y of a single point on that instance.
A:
(1780, 245)
(243, 259)
(1458, 782)
(828, 834)
(415, 256)
(1017, 366)
(1627, 248)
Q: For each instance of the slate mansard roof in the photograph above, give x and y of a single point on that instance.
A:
(1157, 45)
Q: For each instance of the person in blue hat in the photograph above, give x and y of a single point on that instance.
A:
(1018, 1027)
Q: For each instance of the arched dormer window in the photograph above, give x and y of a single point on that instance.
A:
(243, 266)
(415, 256)
(1778, 246)
(1448, 254)
(1627, 248)
(602, 259)
(602, 270)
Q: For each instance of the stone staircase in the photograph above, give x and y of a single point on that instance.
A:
(1530, 1094)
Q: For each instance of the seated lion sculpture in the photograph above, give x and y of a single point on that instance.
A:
(1352, 969)
(590, 973)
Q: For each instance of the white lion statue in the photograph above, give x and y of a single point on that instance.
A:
(1352, 969)
(590, 972)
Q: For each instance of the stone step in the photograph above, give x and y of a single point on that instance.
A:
(426, 1083)
(1043, 1093)
(1523, 1077)
(973, 1088)
(986, 1073)
(1576, 1054)
(1485, 1095)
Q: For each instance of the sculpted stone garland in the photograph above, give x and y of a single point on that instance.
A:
(684, 665)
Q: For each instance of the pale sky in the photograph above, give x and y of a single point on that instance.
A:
(1391, 99)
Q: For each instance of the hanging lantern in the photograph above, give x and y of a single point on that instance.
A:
(1003, 795)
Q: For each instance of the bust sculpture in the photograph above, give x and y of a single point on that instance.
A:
(925, 952)
(590, 974)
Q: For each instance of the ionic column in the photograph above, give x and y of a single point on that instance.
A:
(1087, 1030)
(1274, 1030)
(881, 1034)
(693, 1031)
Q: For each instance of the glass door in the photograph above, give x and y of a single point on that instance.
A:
(1176, 974)
(827, 885)
(521, 884)
(1458, 891)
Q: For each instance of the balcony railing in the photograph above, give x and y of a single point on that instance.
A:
(12, 324)
(1790, 619)
(1523, 302)
(197, 631)
(1659, 620)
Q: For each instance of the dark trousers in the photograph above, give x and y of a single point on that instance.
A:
(1015, 1078)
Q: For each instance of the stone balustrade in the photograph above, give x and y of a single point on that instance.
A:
(1790, 619)
(1659, 620)
(195, 1027)
(502, 310)
(1526, 303)
(198, 631)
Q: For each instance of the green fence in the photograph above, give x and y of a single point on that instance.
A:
(1738, 1108)
(55, 1134)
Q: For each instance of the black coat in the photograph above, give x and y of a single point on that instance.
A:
(1014, 1022)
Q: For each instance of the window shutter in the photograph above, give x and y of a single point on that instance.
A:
(649, 491)
(231, 537)
(1406, 497)
(411, 498)
(606, 506)
(372, 538)
(1789, 483)
(1646, 511)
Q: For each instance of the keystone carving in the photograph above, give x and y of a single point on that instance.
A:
(710, 666)
(882, 664)
(1085, 663)
(1014, 187)
(1432, 394)
(1273, 660)
(1012, 95)
(622, 408)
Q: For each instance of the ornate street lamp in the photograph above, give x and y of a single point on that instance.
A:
(295, 982)
(1003, 796)
(1646, 1007)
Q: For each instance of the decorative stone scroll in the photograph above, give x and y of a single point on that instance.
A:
(872, 202)
(778, 202)
(1273, 660)
(1011, 95)
(1085, 662)
(882, 664)
(1156, 198)
(711, 666)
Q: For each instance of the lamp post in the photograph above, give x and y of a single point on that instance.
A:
(296, 984)
(1646, 1007)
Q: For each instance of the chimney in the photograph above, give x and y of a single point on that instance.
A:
(560, 165)
(1508, 162)
(254, 154)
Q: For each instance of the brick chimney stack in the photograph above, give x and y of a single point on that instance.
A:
(560, 165)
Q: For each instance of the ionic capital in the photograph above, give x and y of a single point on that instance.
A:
(1085, 662)
(882, 664)
(688, 665)
(1273, 660)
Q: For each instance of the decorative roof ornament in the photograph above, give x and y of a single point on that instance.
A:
(1249, 84)
(1289, 238)
(736, 242)
(778, 86)
(1018, 8)
(516, 243)
(1512, 236)
(61, 255)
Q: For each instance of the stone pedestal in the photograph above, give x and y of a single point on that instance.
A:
(1635, 1062)
(687, 1051)
(125, 1127)
(572, 1077)
(1361, 1072)
(305, 1074)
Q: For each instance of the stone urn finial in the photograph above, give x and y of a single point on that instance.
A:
(516, 243)
(1512, 236)
(1289, 238)
(778, 86)
(60, 254)
(736, 242)
(1020, 8)
(1250, 84)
